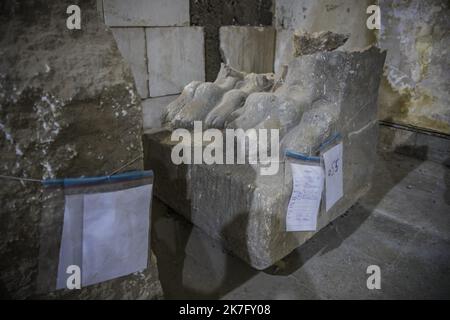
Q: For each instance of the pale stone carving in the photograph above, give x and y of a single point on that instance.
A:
(321, 94)
(220, 98)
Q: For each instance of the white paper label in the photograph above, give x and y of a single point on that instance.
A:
(304, 204)
(333, 176)
(105, 234)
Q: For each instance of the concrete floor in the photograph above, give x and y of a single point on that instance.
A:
(402, 225)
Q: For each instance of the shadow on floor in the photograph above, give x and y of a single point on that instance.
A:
(192, 265)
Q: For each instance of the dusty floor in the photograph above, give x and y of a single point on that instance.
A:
(402, 225)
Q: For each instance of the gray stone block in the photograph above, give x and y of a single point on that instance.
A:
(152, 110)
(146, 13)
(246, 211)
(249, 49)
(131, 43)
(175, 57)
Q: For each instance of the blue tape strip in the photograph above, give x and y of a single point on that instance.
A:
(301, 156)
(330, 140)
(126, 176)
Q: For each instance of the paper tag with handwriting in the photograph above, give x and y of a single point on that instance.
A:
(307, 187)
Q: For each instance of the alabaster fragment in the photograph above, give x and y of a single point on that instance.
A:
(316, 97)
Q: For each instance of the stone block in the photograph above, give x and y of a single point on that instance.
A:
(242, 209)
(245, 210)
(249, 49)
(415, 90)
(152, 110)
(145, 13)
(131, 43)
(175, 57)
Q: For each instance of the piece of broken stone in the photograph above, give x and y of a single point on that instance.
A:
(245, 210)
(308, 43)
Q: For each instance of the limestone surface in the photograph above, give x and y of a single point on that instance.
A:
(323, 94)
(68, 108)
(175, 56)
(246, 48)
(306, 43)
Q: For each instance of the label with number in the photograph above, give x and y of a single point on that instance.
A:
(334, 182)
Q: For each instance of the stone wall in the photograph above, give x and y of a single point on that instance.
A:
(68, 108)
(163, 51)
(415, 90)
(170, 43)
(339, 16)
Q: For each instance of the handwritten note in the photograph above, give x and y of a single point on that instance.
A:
(333, 175)
(304, 204)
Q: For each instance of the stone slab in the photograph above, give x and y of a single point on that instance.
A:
(243, 210)
(249, 49)
(145, 13)
(152, 109)
(175, 57)
(131, 43)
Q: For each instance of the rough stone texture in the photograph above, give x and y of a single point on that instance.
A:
(131, 43)
(214, 103)
(145, 13)
(68, 107)
(152, 110)
(339, 16)
(175, 56)
(245, 210)
(212, 14)
(249, 49)
(415, 90)
(309, 43)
